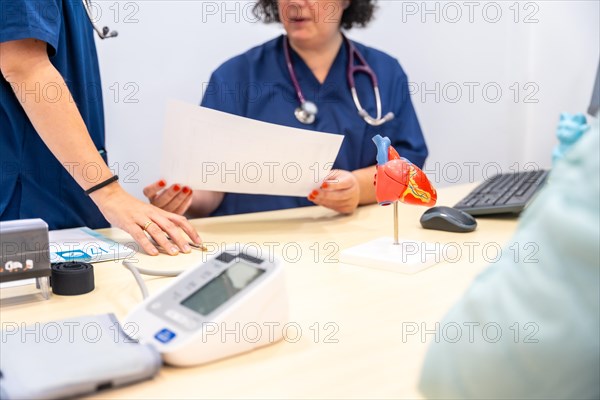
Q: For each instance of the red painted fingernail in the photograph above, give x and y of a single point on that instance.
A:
(177, 188)
(325, 185)
(162, 183)
(311, 197)
(314, 193)
(186, 190)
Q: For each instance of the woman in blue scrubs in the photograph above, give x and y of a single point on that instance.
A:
(259, 84)
(52, 129)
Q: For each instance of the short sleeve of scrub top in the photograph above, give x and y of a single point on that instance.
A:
(257, 85)
(34, 183)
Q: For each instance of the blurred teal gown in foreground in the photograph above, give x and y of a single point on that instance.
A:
(546, 301)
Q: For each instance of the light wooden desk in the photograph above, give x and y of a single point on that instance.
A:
(360, 353)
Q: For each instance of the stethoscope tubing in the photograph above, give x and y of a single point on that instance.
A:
(352, 69)
(290, 66)
(105, 33)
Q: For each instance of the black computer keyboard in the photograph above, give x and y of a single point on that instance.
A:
(504, 193)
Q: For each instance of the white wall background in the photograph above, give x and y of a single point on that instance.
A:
(542, 55)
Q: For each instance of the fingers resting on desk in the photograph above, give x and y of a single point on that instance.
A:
(140, 219)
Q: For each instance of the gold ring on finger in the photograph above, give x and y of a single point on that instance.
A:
(146, 225)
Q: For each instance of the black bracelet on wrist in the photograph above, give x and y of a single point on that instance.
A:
(102, 184)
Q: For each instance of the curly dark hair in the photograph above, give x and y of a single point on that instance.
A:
(358, 13)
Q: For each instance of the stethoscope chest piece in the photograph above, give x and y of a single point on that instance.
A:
(306, 112)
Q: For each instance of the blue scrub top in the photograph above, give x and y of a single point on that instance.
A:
(257, 85)
(33, 182)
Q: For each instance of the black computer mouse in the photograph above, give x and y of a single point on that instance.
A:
(448, 219)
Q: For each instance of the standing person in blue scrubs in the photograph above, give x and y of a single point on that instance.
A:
(262, 84)
(52, 129)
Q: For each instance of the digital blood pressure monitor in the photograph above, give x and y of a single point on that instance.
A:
(231, 304)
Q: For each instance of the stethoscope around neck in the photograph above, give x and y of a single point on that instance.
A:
(307, 111)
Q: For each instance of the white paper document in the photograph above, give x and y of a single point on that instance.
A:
(84, 244)
(212, 150)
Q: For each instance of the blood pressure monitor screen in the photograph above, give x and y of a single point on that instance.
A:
(222, 288)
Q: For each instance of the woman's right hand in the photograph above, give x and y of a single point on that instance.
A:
(175, 199)
(140, 219)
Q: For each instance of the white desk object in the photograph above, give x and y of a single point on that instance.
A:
(406, 256)
(214, 310)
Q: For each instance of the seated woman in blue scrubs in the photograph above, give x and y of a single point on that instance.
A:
(318, 71)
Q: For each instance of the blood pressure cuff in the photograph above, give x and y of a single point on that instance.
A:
(71, 358)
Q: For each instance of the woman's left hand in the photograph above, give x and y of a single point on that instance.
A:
(340, 191)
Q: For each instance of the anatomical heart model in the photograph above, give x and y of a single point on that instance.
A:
(397, 179)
